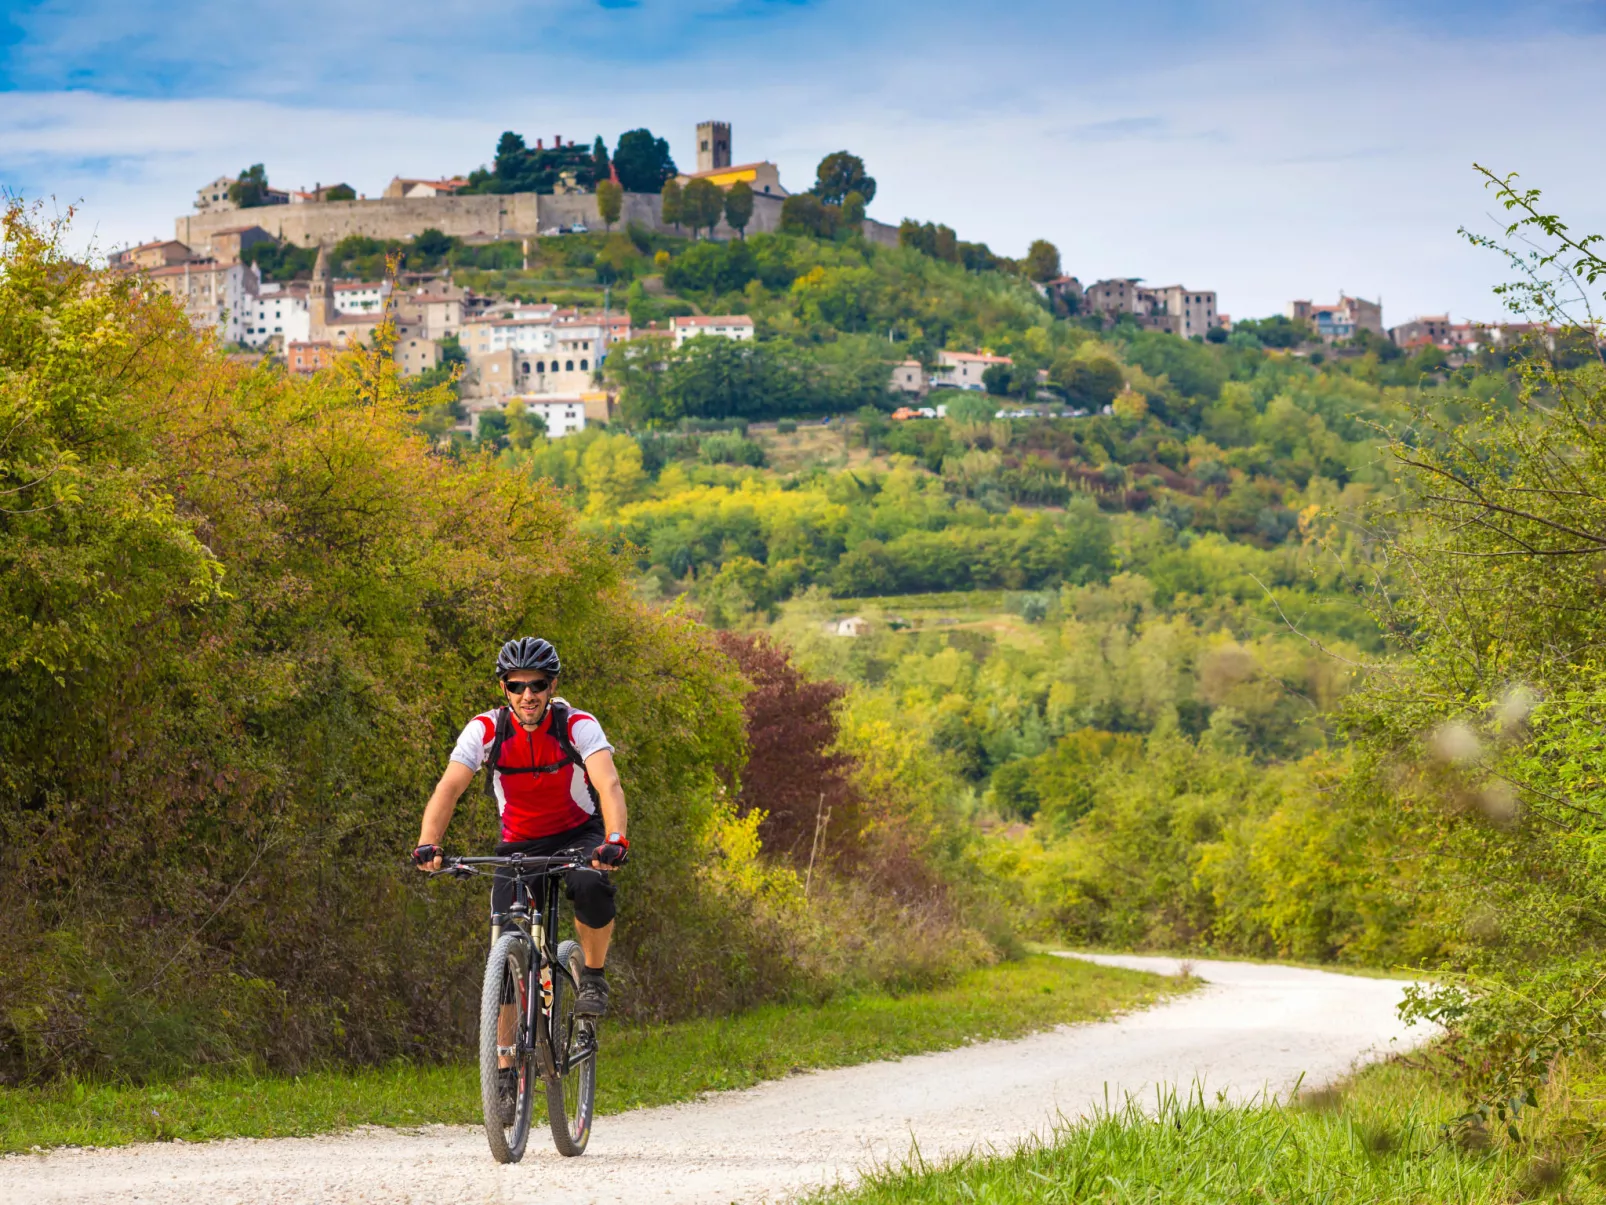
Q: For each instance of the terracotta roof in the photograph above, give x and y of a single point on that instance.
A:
(194, 267)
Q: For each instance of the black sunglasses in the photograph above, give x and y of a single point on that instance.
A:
(539, 685)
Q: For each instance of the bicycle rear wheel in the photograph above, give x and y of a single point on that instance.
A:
(571, 1094)
(506, 984)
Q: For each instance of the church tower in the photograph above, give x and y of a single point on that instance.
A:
(713, 145)
(320, 298)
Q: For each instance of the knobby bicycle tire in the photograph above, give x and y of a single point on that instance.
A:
(506, 977)
(571, 1094)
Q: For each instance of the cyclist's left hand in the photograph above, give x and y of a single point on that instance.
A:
(611, 854)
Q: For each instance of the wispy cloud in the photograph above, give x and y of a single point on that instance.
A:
(1264, 150)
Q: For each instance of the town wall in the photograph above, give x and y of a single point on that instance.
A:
(477, 218)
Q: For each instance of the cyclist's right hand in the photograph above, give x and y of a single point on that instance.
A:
(427, 857)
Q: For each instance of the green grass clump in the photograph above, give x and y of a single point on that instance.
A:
(650, 1065)
(1378, 1139)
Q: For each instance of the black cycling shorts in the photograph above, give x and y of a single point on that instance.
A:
(591, 890)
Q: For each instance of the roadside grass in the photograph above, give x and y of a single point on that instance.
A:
(1379, 1137)
(649, 1065)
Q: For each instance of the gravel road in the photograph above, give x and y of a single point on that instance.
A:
(1250, 1029)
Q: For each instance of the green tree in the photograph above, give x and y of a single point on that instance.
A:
(853, 209)
(610, 202)
(701, 205)
(673, 203)
(601, 167)
(1042, 261)
(1090, 384)
(739, 207)
(804, 213)
(996, 379)
(643, 162)
(523, 425)
(839, 174)
(250, 190)
(971, 407)
(340, 192)
(432, 244)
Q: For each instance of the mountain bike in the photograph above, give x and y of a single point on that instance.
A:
(528, 1021)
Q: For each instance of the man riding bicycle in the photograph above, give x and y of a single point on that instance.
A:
(550, 770)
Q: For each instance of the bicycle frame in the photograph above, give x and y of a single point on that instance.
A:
(539, 930)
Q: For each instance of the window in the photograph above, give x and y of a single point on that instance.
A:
(568, 366)
(582, 366)
(540, 366)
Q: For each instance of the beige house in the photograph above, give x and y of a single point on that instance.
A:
(964, 369)
(909, 377)
(151, 255)
(1176, 309)
(1341, 320)
(227, 245)
(1194, 309)
(214, 197)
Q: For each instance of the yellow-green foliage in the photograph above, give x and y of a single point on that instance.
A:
(245, 615)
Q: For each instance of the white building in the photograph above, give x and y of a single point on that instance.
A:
(360, 296)
(278, 316)
(220, 296)
(562, 415)
(723, 326)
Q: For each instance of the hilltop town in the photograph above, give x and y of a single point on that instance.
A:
(549, 354)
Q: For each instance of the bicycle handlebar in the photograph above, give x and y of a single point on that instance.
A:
(463, 867)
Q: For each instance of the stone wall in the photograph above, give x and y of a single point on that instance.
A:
(476, 218)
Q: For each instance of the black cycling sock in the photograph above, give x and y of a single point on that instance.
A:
(595, 972)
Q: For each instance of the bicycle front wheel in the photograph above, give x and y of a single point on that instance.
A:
(571, 1094)
(507, 1054)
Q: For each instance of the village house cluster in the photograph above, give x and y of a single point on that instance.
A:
(550, 357)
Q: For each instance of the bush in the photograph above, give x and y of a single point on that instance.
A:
(241, 629)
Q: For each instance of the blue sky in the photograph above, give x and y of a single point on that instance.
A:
(1267, 151)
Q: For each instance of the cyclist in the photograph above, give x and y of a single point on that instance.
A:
(550, 770)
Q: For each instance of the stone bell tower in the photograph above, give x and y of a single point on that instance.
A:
(713, 145)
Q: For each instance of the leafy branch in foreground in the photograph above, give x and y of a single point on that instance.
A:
(1488, 734)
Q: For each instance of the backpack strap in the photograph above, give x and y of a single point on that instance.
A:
(560, 732)
(557, 728)
(503, 730)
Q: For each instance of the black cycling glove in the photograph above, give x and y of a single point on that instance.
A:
(612, 852)
(423, 855)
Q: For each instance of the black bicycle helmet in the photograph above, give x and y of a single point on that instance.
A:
(527, 652)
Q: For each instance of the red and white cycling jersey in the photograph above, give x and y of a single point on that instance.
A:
(535, 805)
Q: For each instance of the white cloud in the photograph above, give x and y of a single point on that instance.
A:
(1297, 164)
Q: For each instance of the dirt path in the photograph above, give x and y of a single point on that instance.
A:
(1250, 1029)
